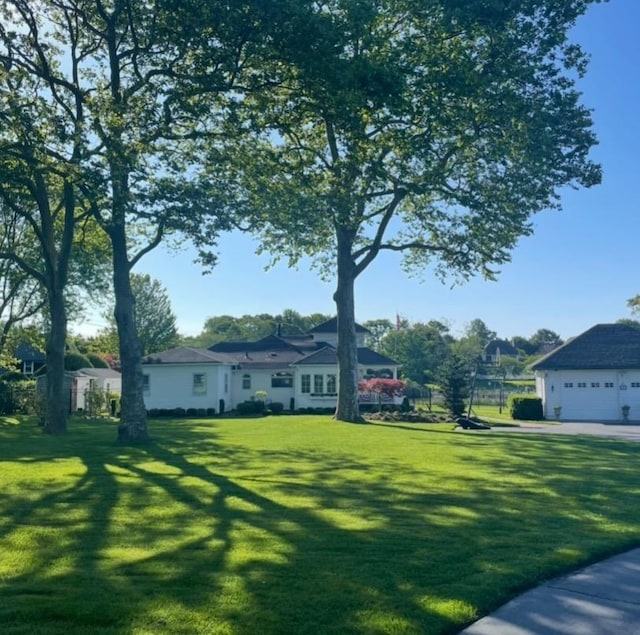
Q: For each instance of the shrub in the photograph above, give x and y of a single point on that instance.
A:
(191, 412)
(201, 412)
(95, 402)
(76, 361)
(292, 404)
(177, 412)
(254, 407)
(211, 412)
(12, 375)
(96, 360)
(276, 407)
(7, 402)
(221, 406)
(154, 412)
(525, 407)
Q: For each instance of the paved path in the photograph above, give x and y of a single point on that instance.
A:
(630, 432)
(603, 599)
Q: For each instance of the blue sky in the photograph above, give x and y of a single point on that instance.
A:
(578, 268)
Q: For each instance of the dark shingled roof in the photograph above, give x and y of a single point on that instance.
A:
(331, 326)
(27, 353)
(269, 352)
(505, 348)
(183, 355)
(602, 347)
(366, 356)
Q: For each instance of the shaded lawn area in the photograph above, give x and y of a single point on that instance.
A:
(296, 524)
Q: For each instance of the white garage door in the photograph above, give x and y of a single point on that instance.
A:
(593, 398)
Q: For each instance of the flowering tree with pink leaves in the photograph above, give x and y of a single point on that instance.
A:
(382, 387)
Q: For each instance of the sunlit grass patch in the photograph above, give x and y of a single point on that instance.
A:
(296, 524)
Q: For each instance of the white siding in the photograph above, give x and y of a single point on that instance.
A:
(589, 395)
(171, 386)
(332, 338)
(260, 381)
(314, 400)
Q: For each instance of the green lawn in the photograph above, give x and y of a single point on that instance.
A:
(296, 524)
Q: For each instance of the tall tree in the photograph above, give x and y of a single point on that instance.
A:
(39, 196)
(21, 295)
(378, 329)
(545, 337)
(420, 348)
(477, 329)
(137, 85)
(247, 328)
(455, 381)
(155, 320)
(434, 129)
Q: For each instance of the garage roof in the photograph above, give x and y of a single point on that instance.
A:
(603, 346)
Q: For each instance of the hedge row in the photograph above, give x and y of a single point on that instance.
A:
(181, 412)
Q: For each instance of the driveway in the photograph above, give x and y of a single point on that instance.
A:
(629, 432)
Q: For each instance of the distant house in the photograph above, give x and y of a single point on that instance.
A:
(297, 371)
(78, 384)
(496, 349)
(593, 376)
(30, 359)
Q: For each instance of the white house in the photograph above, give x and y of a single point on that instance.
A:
(299, 372)
(78, 384)
(592, 377)
(85, 380)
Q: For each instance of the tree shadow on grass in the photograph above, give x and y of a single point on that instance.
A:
(190, 534)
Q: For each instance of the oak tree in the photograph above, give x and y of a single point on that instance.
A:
(434, 129)
(135, 86)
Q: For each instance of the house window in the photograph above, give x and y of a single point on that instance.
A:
(608, 384)
(318, 384)
(635, 384)
(568, 384)
(595, 384)
(305, 383)
(246, 382)
(331, 384)
(582, 384)
(282, 380)
(27, 368)
(145, 384)
(226, 383)
(199, 384)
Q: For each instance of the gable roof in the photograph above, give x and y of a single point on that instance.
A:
(366, 356)
(105, 373)
(602, 347)
(271, 351)
(331, 326)
(28, 353)
(503, 346)
(183, 355)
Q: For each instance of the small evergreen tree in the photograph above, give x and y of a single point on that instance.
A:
(454, 384)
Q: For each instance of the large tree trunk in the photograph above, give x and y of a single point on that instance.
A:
(133, 415)
(57, 399)
(347, 408)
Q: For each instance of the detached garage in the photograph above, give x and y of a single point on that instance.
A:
(593, 377)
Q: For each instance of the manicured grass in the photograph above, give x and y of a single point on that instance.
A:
(296, 524)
